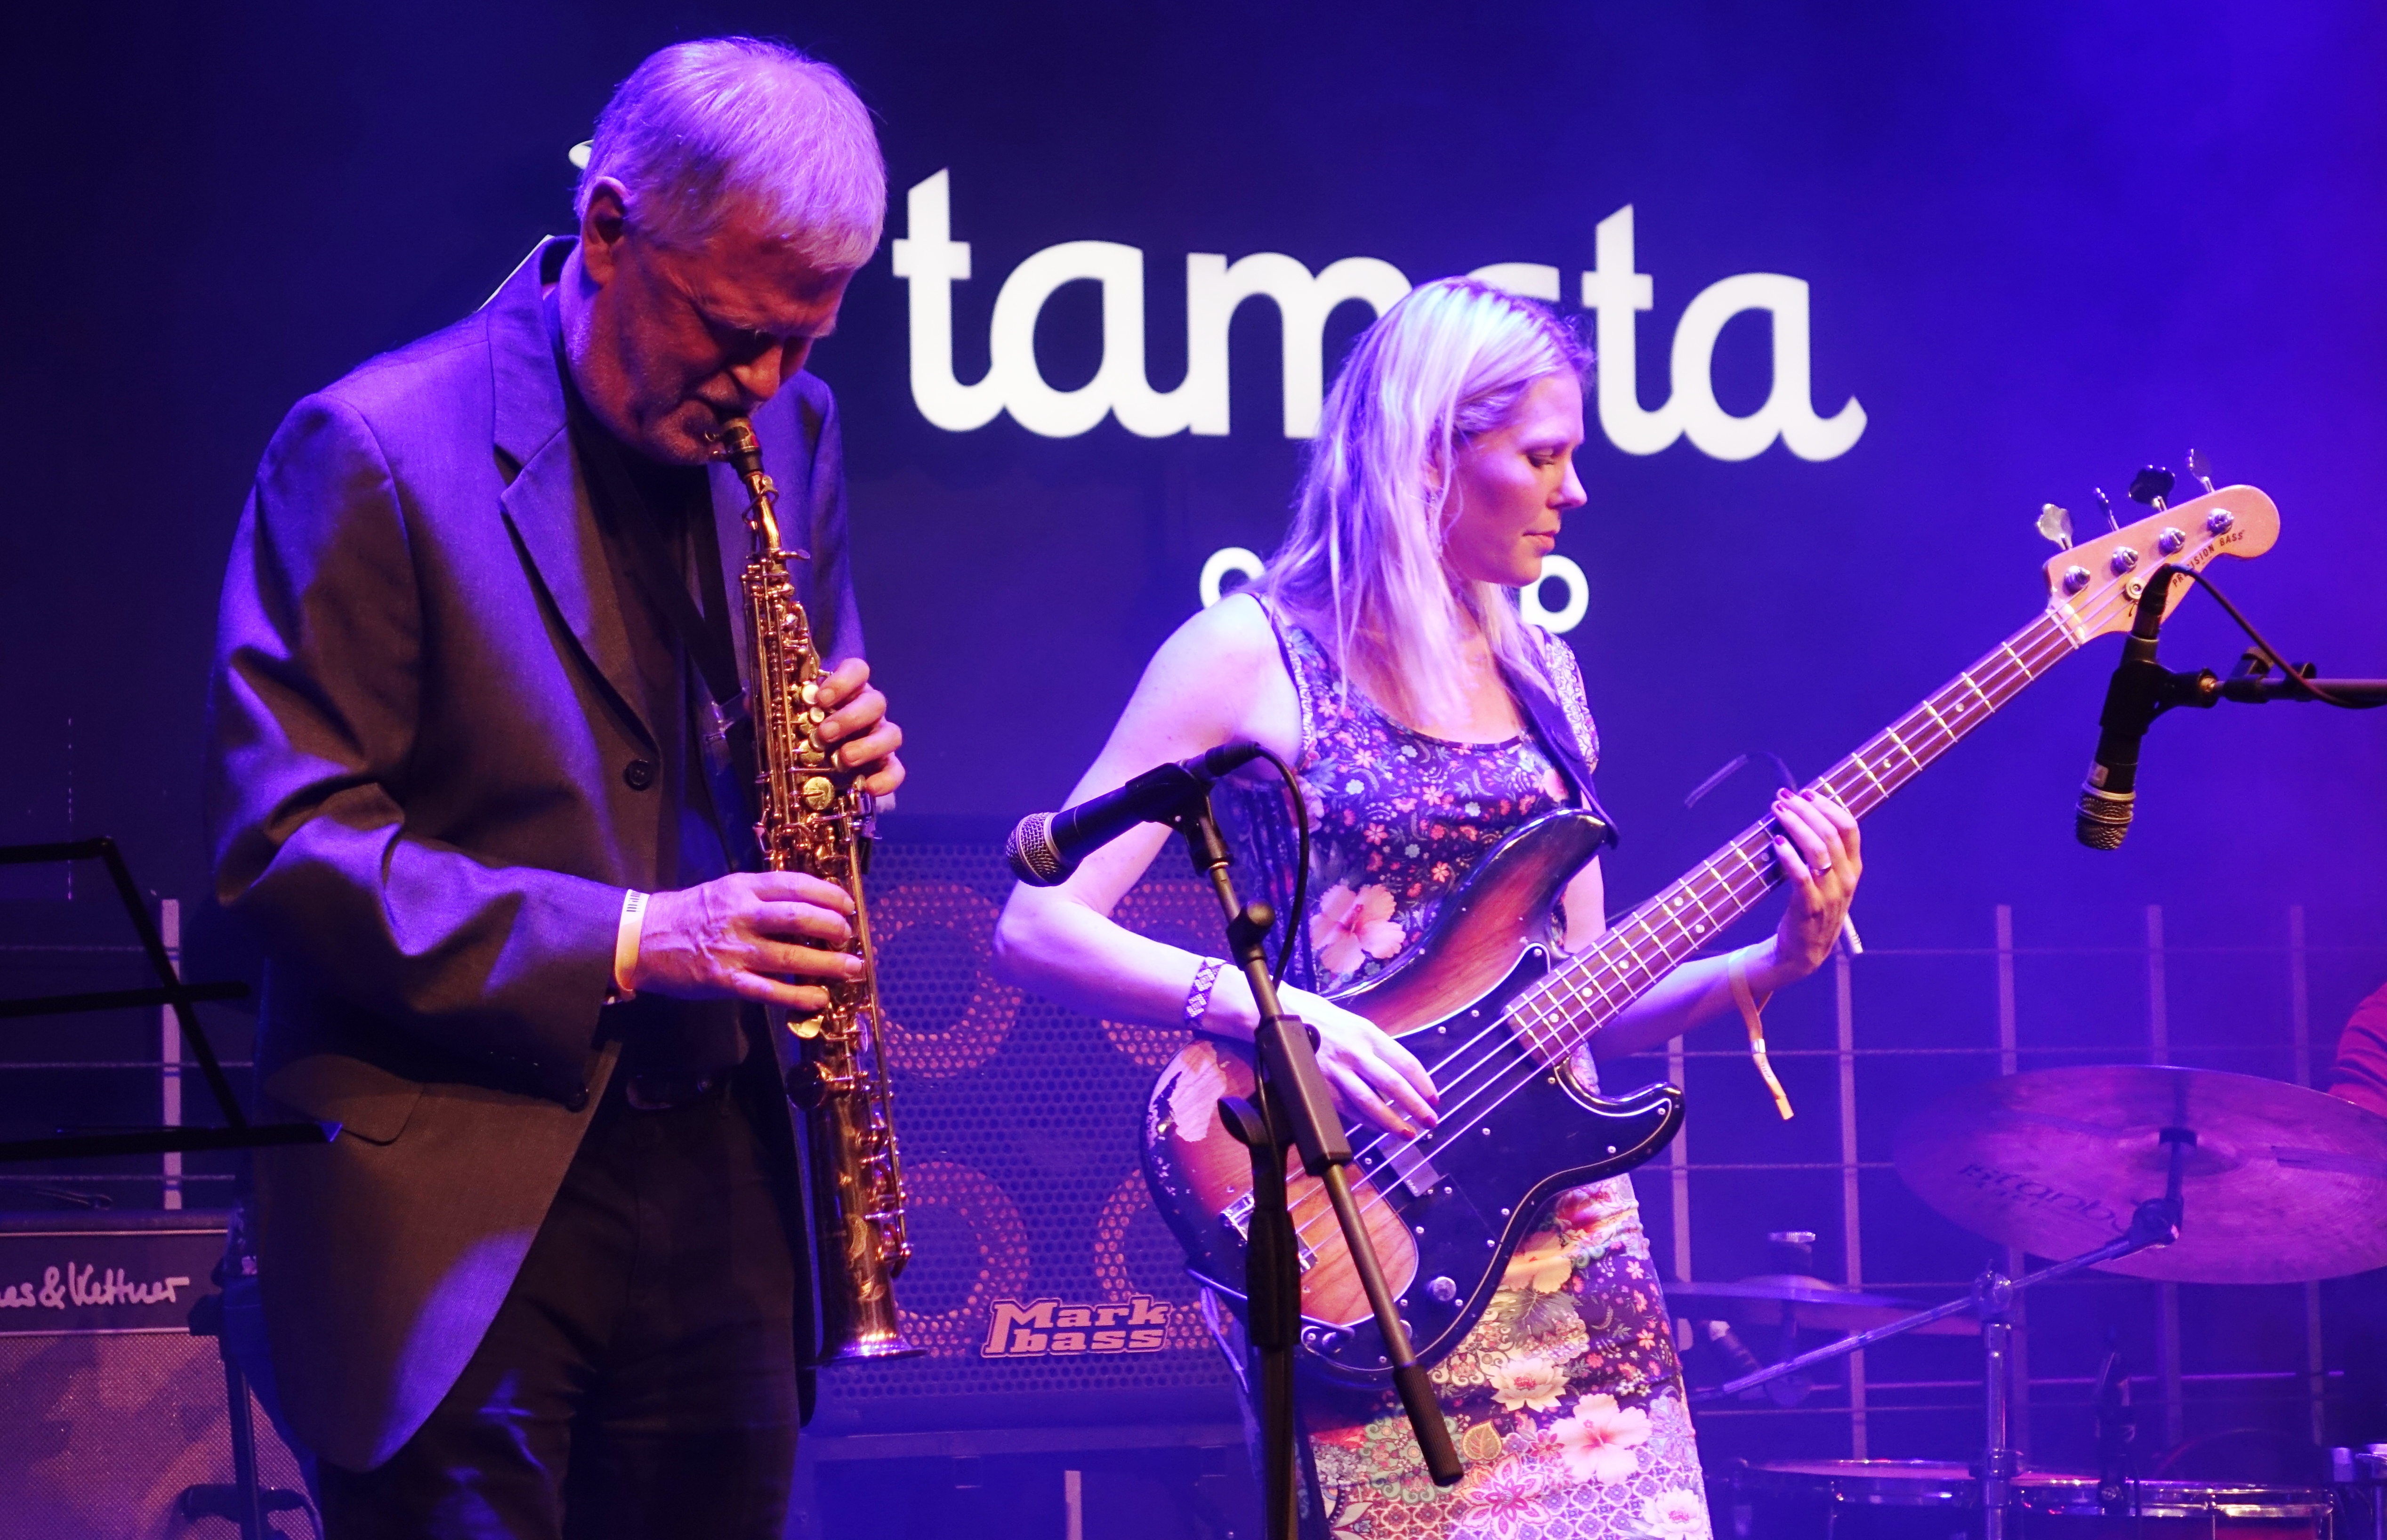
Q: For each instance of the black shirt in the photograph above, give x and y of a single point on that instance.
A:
(673, 503)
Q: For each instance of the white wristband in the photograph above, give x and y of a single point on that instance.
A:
(626, 943)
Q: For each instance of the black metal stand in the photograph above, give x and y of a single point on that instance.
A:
(2156, 1222)
(1294, 1110)
(2253, 683)
(242, 1501)
(2154, 689)
(237, 1133)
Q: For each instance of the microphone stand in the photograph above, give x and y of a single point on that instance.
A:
(1294, 1109)
(2251, 683)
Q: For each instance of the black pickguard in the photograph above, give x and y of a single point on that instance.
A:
(1491, 1175)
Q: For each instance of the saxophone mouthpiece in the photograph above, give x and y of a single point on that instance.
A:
(745, 453)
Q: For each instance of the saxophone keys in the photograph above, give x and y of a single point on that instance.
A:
(819, 793)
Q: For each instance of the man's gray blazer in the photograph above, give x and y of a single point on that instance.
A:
(422, 796)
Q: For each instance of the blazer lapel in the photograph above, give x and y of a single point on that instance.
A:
(545, 505)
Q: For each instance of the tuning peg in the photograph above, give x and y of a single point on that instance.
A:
(2055, 524)
(2150, 486)
(2201, 468)
(2107, 504)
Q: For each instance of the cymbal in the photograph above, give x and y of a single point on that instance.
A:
(1809, 1303)
(2284, 1184)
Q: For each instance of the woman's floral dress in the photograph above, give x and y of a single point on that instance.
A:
(1566, 1400)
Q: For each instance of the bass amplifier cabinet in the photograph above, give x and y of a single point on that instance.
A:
(112, 1407)
(1043, 1286)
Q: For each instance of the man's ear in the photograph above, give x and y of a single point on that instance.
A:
(604, 229)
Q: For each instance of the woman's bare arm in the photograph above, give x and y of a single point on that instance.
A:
(1219, 679)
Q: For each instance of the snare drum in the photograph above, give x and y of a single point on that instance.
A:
(1903, 1499)
(1850, 1499)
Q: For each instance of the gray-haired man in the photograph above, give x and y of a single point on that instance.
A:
(549, 1280)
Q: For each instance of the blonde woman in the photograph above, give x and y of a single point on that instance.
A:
(1384, 657)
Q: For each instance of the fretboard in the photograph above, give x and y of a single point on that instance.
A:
(1559, 1014)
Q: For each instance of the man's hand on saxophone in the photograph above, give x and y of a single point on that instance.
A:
(741, 935)
(736, 935)
(857, 724)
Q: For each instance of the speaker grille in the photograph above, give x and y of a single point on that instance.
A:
(105, 1432)
(1017, 1122)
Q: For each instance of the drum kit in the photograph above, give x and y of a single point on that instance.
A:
(2190, 1176)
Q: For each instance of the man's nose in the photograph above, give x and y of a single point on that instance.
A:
(760, 377)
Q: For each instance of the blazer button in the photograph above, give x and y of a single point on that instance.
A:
(638, 775)
(577, 1100)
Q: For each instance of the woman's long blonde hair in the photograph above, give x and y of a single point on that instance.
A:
(1364, 566)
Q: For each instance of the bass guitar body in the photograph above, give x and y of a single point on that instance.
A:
(1448, 1210)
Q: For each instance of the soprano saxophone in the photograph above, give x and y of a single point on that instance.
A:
(813, 816)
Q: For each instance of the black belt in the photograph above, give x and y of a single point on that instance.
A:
(661, 1093)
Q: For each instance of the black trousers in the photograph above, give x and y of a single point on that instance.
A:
(639, 1380)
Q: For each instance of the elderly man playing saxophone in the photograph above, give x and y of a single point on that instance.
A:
(468, 785)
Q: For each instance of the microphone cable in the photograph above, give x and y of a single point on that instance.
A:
(2262, 645)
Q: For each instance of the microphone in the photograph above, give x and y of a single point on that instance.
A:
(1046, 847)
(2110, 794)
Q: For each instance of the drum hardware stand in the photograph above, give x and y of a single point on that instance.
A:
(1294, 1109)
(2156, 1222)
(2360, 1476)
(2116, 1428)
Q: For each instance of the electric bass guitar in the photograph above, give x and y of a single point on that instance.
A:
(1497, 1018)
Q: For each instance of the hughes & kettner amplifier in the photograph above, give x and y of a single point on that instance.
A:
(115, 1410)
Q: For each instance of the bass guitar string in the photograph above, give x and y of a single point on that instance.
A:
(1628, 976)
(1535, 1013)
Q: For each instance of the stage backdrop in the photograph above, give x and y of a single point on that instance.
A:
(1870, 285)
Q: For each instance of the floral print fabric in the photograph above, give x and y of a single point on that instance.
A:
(1397, 818)
(1566, 1399)
(1566, 1403)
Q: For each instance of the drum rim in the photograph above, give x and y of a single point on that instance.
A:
(1949, 1484)
(2175, 1499)
(1860, 1483)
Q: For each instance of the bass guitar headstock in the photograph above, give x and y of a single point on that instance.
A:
(2093, 588)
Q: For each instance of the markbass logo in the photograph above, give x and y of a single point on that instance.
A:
(1043, 1328)
(930, 262)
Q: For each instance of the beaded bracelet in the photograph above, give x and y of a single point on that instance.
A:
(1197, 998)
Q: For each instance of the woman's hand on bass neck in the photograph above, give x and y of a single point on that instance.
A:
(1822, 857)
